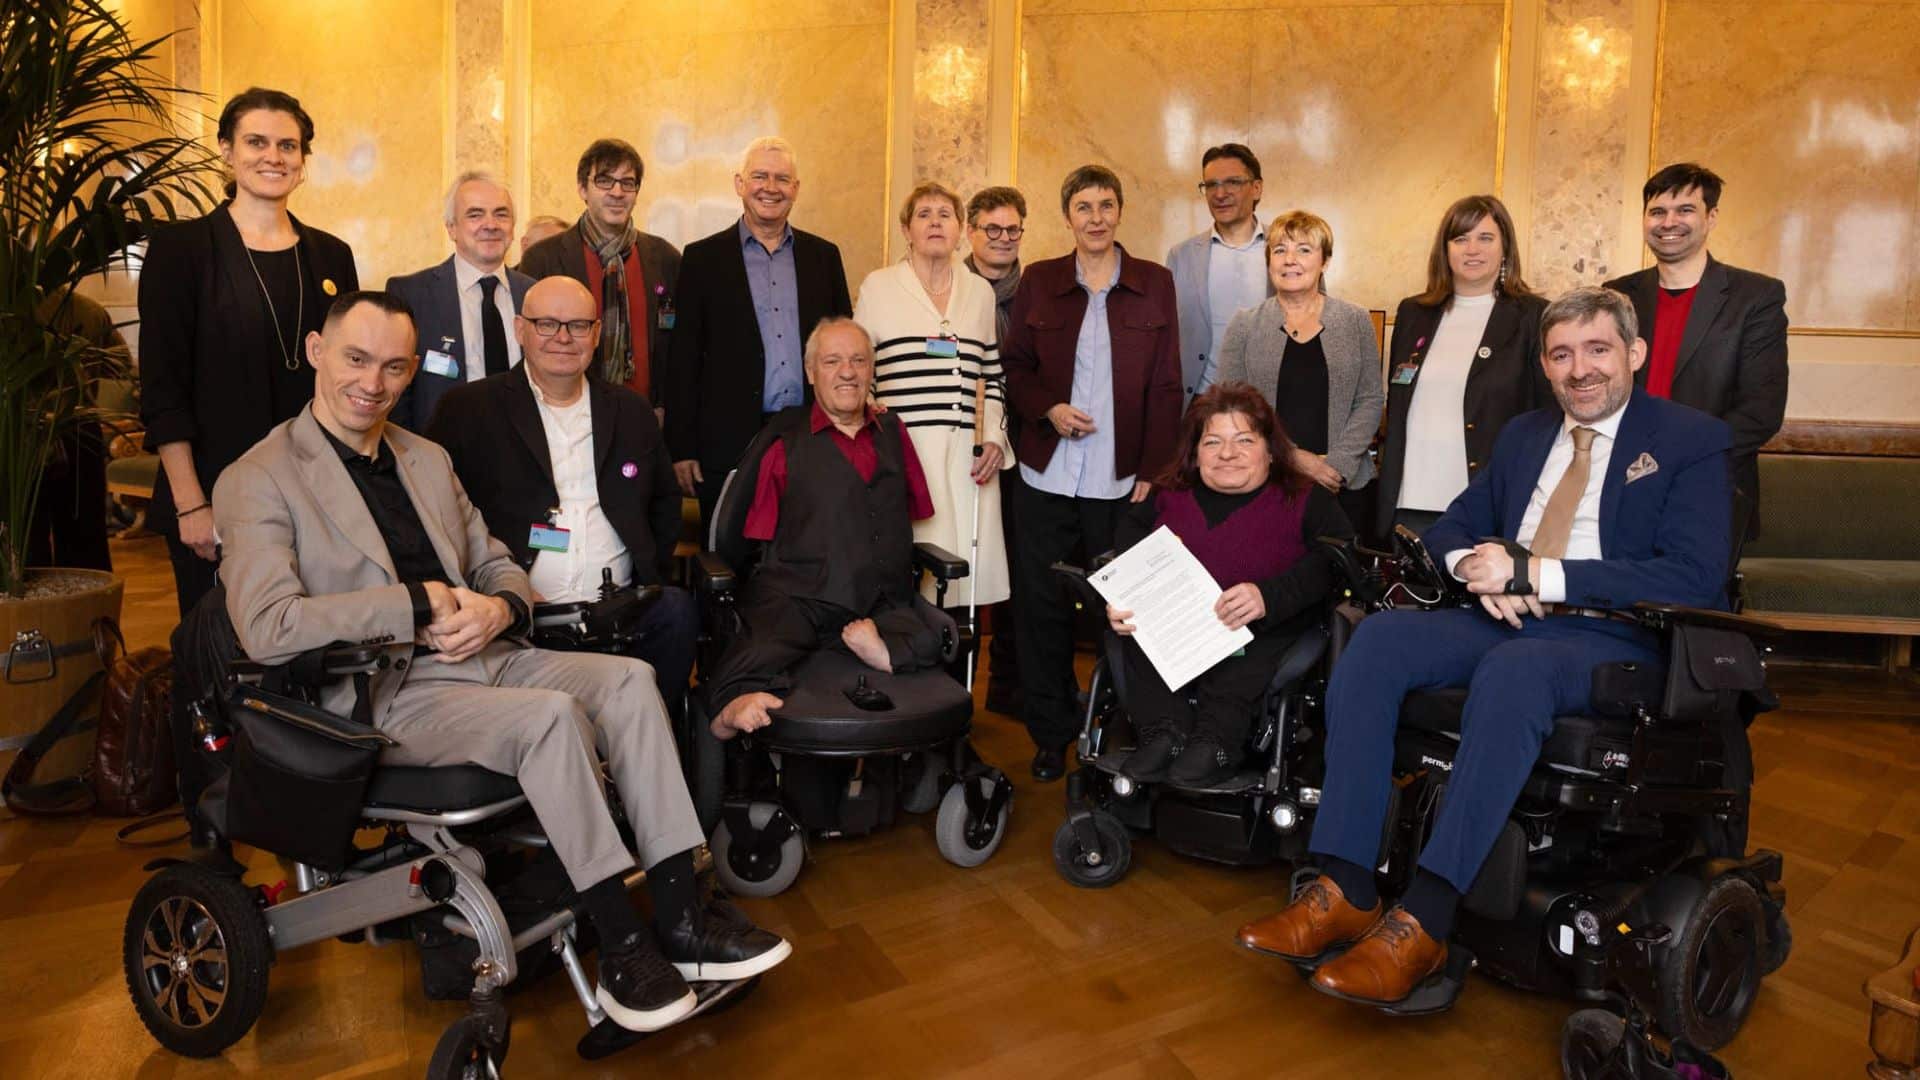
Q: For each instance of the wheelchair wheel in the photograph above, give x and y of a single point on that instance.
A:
(963, 841)
(1711, 972)
(920, 787)
(1093, 869)
(1779, 944)
(462, 1052)
(196, 951)
(1587, 1043)
(770, 874)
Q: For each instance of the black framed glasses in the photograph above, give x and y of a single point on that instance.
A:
(1232, 185)
(625, 183)
(997, 232)
(546, 328)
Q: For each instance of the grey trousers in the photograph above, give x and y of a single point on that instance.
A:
(542, 716)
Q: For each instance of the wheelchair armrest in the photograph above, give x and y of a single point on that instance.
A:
(712, 574)
(1306, 651)
(1101, 560)
(1075, 579)
(939, 562)
(328, 661)
(1658, 616)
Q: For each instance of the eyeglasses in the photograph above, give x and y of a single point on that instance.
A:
(1232, 185)
(625, 183)
(546, 328)
(996, 232)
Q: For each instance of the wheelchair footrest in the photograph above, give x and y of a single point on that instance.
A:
(1435, 994)
(607, 1038)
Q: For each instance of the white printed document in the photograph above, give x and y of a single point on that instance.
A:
(1171, 596)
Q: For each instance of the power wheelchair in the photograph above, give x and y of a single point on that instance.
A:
(910, 743)
(1254, 818)
(461, 866)
(1634, 819)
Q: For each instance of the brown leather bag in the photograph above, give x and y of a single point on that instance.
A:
(133, 769)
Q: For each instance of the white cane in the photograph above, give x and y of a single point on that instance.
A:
(973, 553)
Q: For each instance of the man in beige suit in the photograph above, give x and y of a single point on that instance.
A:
(339, 527)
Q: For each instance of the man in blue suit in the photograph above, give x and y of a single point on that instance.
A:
(464, 307)
(1613, 498)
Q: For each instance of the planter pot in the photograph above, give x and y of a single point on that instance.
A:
(60, 609)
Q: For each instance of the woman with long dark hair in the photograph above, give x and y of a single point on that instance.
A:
(1239, 500)
(226, 304)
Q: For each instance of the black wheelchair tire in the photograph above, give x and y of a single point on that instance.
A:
(1779, 943)
(1116, 853)
(215, 909)
(1710, 975)
(461, 1053)
(1587, 1043)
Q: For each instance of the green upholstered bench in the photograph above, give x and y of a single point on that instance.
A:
(1839, 547)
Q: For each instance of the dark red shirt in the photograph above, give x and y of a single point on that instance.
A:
(1669, 325)
(859, 451)
(639, 332)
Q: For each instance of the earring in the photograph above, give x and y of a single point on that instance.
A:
(1503, 271)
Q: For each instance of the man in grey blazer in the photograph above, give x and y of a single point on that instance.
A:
(339, 526)
(1221, 271)
(459, 304)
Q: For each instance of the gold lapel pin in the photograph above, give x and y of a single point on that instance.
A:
(327, 286)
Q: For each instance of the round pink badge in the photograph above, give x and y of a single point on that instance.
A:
(629, 470)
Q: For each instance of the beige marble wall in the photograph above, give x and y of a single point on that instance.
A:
(479, 86)
(1581, 104)
(691, 82)
(1374, 116)
(1812, 114)
(951, 72)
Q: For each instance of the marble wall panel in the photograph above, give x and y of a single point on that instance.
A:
(950, 100)
(1373, 116)
(1581, 106)
(690, 84)
(479, 86)
(377, 94)
(1823, 180)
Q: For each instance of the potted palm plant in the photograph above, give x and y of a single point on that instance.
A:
(88, 165)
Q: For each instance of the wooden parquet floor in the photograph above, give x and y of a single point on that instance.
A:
(906, 966)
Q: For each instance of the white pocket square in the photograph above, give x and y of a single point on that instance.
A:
(1644, 465)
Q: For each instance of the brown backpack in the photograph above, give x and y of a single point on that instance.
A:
(133, 768)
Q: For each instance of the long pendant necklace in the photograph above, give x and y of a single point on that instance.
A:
(287, 356)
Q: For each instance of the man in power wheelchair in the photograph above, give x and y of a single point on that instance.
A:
(1255, 522)
(340, 528)
(1617, 504)
(823, 680)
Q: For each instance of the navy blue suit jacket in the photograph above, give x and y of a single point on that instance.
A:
(1663, 536)
(434, 296)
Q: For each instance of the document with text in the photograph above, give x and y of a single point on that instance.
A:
(1171, 596)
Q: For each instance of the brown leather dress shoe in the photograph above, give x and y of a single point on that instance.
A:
(1384, 966)
(1304, 930)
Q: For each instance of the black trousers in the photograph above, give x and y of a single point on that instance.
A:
(1227, 696)
(70, 523)
(781, 630)
(193, 576)
(1051, 528)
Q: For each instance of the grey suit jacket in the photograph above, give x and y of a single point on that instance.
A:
(1251, 353)
(305, 565)
(434, 296)
(1189, 261)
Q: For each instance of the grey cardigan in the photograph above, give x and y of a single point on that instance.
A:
(1251, 351)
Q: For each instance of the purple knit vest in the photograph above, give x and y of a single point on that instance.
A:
(1255, 542)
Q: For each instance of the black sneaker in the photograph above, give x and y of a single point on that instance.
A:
(722, 946)
(639, 989)
(1148, 762)
(1203, 762)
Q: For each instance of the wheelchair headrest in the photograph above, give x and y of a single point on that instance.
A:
(724, 532)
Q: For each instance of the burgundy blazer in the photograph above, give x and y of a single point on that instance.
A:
(1038, 355)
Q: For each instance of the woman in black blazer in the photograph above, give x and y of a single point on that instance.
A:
(226, 303)
(1465, 359)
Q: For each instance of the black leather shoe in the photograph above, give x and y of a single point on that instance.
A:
(1148, 762)
(1049, 763)
(722, 946)
(638, 989)
(1203, 762)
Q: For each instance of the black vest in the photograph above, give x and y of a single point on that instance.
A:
(839, 540)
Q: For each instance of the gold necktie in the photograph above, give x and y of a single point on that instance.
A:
(1556, 523)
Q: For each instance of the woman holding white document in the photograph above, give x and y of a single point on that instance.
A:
(1253, 519)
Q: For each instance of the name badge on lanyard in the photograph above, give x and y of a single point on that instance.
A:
(1403, 375)
(544, 537)
(944, 348)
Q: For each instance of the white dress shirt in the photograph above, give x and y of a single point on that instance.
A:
(1236, 280)
(467, 277)
(1434, 468)
(572, 575)
(1583, 542)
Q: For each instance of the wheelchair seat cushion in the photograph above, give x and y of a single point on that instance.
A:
(929, 707)
(1579, 742)
(438, 789)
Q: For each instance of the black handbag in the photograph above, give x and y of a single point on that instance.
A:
(299, 776)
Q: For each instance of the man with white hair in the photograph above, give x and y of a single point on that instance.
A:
(749, 295)
(460, 308)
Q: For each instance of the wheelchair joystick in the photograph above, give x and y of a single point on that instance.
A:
(607, 587)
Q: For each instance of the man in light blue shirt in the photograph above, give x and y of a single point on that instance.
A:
(1222, 271)
(776, 304)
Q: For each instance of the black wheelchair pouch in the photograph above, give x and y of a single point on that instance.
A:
(1708, 669)
(299, 776)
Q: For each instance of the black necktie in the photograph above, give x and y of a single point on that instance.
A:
(493, 332)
